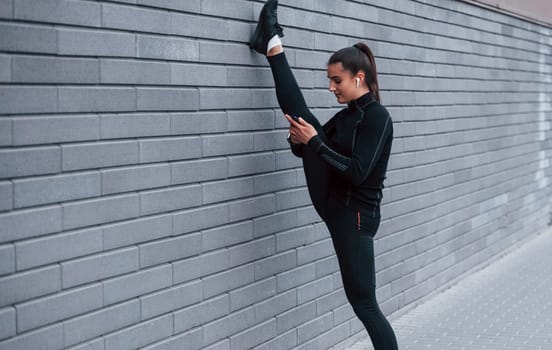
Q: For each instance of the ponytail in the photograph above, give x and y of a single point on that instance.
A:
(356, 58)
(372, 74)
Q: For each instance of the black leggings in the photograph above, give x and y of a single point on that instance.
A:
(354, 248)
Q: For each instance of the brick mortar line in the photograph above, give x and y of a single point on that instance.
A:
(508, 11)
(437, 219)
(57, 26)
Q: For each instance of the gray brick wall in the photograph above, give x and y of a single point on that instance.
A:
(148, 198)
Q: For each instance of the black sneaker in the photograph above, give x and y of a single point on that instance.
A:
(266, 28)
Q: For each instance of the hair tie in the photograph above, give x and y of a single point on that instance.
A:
(364, 52)
(361, 50)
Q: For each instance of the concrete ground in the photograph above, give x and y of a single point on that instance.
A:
(507, 305)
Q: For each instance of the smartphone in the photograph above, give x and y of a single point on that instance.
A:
(296, 118)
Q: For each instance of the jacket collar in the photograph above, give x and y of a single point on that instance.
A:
(361, 102)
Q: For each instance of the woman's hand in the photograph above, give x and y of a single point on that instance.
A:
(301, 131)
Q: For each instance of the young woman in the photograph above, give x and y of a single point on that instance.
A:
(345, 161)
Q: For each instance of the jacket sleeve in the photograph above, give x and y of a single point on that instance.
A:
(369, 143)
(297, 149)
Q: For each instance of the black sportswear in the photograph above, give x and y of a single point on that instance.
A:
(358, 148)
(344, 167)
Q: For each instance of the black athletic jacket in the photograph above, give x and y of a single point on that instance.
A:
(358, 148)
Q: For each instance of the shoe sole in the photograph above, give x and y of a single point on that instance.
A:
(255, 38)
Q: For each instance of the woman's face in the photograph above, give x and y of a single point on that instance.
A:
(343, 83)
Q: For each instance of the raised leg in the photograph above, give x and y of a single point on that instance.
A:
(292, 102)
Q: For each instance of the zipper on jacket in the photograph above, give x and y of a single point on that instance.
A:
(348, 196)
(355, 130)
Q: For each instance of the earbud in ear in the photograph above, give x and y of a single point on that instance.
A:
(357, 82)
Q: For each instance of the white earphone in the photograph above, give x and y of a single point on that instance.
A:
(357, 82)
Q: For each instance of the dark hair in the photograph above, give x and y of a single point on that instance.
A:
(356, 58)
